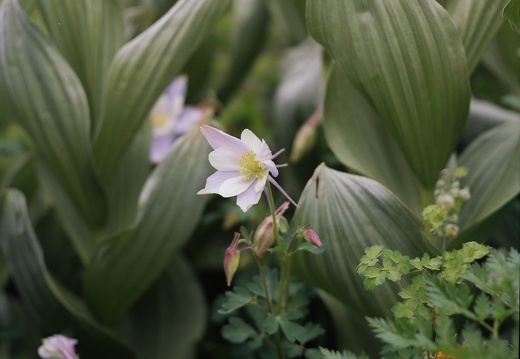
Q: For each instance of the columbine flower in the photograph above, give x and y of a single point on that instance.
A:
(171, 119)
(59, 347)
(243, 166)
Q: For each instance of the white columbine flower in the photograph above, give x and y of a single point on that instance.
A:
(171, 119)
(243, 166)
(58, 346)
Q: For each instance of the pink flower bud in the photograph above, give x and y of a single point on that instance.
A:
(312, 237)
(231, 259)
(58, 346)
(264, 235)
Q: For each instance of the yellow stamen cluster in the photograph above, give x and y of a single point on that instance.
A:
(250, 168)
(159, 120)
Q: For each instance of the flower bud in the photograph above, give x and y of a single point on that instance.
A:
(264, 235)
(464, 194)
(445, 200)
(305, 137)
(451, 230)
(312, 237)
(58, 346)
(231, 259)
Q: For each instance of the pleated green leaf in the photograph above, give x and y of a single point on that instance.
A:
(352, 213)
(512, 14)
(250, 23)
(124, 266)
(123, 190)
(300, 90)
(88, 34)
(51, 306)
(494, 172)
(49, 102)
(407, 59)
(171, 317)
(361, 141)
(144, 67)
(478, 22)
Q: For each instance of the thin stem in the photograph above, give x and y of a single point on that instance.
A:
(264, 281)
(287, 282)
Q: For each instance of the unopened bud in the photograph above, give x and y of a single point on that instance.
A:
(464, 194)
(445, 200)
(264, 235)
(305, 137)
(58, 346)
(451, 230)
(231, 259)
(312, 237)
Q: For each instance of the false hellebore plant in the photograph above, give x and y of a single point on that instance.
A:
(275, 308)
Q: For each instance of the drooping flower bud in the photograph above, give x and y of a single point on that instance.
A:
(231, 259)
(58, 346)
(312, 237)
(306, 136)
(264, 235)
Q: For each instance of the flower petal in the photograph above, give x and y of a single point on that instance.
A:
(216, 180)
(187, 119)
(234, 186)
(225, 159)
(248, 198)
(217, 139)
(160, 147)
(271, 167)
(260, 184)
(250, 139)
(264, 153)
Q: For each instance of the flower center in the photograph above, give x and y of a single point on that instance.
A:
(159, 120)
(250, 168)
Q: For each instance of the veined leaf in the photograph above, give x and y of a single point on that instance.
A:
(493, 172)
(171, 316)
(408, 61)
(144, 67)
(50, 104)
(251, 21)
(352, 213)
(88, 34)
(124, 266)
(512, 14)
(52, 307)
(361, 141)
(478, 22)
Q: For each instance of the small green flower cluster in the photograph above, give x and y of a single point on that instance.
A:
(450, 195)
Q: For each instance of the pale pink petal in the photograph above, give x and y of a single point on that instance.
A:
(214, 181)
(271, 179)
(187, 119)
(175, 94)
(264, 152)
(234, 186)
(248, 198)
(260, 184)
(160, 147)
(250, 139)
(271, 166)
(224, 159)
(217, 138)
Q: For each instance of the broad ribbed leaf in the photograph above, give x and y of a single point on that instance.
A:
(290, 18)
(124, 266)
(351, 213)
(170, 318)
(50, 104)
(125, 184)
(494, 172)
(300, 90)
(52, 307)
(88, 34)
(362, 142)
(478, 22)
(249, 32)
(144, 67)
(512, 14)
(408, 61)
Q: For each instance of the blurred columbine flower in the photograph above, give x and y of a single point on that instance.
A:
(243, 166)
(58, 347)
(171, 119)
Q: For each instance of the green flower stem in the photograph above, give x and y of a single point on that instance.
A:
(264, 281)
